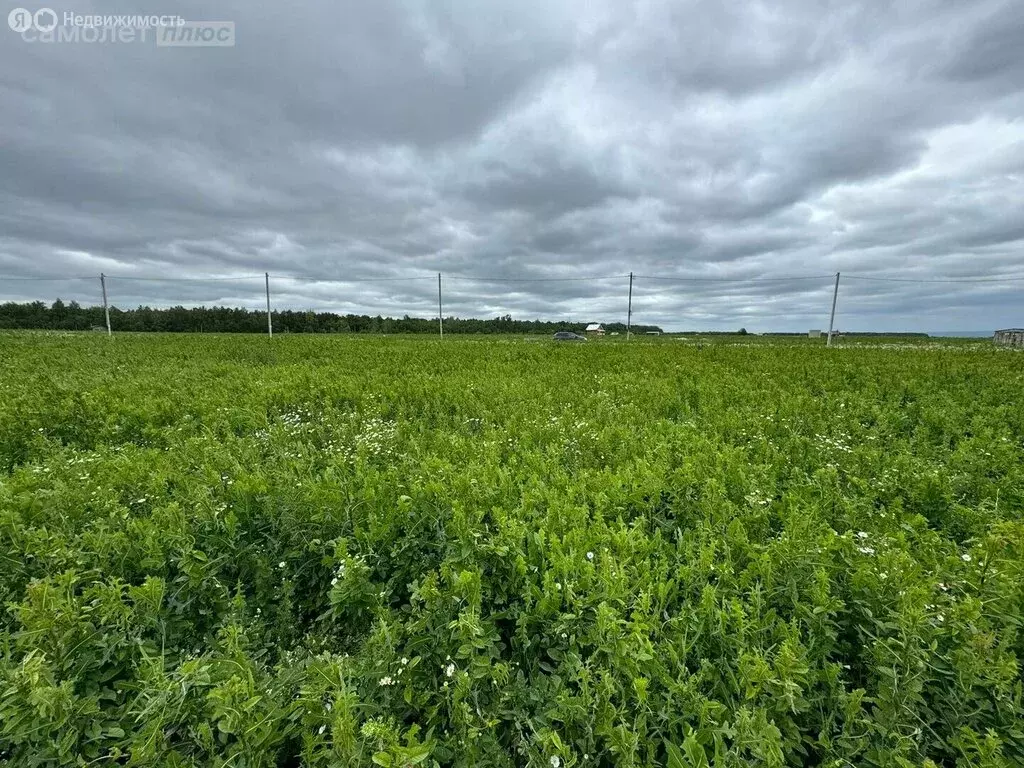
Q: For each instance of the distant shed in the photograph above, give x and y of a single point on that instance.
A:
(595, 329)
(1009, 337)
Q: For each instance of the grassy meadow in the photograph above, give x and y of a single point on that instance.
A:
(334, 550)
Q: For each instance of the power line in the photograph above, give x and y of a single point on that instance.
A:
(237, 278)
(535, 279)
(70, 277)
(733, 279)
(931, 280)
(353, 279)
(474, 278)
(657, 285)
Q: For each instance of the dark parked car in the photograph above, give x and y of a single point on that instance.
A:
(569, 336)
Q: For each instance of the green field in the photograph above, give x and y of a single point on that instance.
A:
(330, 551)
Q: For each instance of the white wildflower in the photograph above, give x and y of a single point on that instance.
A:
(555, 761)
(862, 535)
(590, 555)
(281, 564)
(449, 670)
(965, 557)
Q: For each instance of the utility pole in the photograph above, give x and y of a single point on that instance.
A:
(270, 324)
(629, 310)
(832, 318)
(106, 309)
(440, 311)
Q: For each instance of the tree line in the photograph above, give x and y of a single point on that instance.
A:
(74, 317)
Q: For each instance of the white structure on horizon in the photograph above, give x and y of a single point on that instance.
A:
(596, 329)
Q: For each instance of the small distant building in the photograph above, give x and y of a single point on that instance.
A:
(1009, 337)
(814, 334)
(595, 329)
(614, 333)
(654, 333)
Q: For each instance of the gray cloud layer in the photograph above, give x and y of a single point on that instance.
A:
(563, 138)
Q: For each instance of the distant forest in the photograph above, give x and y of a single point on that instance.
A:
(74, 317)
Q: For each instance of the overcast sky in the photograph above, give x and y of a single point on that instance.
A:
(530, 139)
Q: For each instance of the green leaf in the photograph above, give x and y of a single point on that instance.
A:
(417, 756)
(695, 753)
(675, 757)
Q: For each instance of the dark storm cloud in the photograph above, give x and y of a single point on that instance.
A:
(991, 50)
(534, 140)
